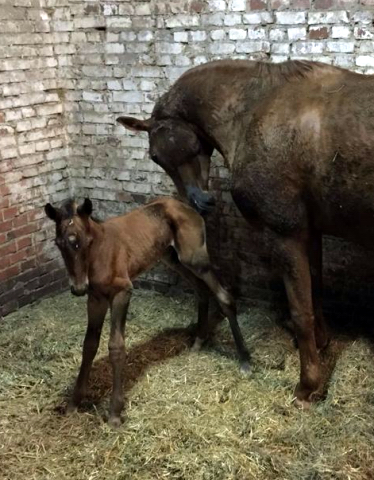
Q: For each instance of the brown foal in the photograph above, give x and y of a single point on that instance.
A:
(102, 259)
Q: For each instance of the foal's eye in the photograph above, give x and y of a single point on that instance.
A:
(73, 242)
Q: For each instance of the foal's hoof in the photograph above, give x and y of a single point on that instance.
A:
(198, 343)
(115, 422)
(245, 368)
(71, 408)
(302, 404)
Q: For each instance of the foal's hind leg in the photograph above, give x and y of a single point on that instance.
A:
(197, 260)
(170, 259)
(96, 310)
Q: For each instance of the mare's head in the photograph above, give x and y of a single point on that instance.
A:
(73, 240)
(184, 155)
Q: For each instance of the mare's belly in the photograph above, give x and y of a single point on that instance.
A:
(346, 216)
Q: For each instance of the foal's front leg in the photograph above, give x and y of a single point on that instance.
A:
(119, 307)
(96, 310)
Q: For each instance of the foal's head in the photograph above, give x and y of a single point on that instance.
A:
(73, 240)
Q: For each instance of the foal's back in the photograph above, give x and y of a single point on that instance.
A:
(140, 238)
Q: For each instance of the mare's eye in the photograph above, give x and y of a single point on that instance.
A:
(154, 157)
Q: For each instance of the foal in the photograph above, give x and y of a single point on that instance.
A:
(102, 259)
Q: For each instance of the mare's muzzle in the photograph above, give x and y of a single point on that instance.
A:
(202, 202)
(79, 291)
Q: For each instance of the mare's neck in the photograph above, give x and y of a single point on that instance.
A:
(219, 98)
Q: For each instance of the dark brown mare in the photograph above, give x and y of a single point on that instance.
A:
(103, 258)
(298, 138)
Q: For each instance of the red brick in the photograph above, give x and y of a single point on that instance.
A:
(7, 249)
(16, 258)
(196, 6)
(5, 226)
(2, 117)
(4, 203)
(10, 212)
(4, 190)
(323, 4)
(318, 33)
(9, 272)
(28, 264)
(2, 238)
(23, 243)
(256, 5)
(20, 221)
(4, 262)
(26, 230)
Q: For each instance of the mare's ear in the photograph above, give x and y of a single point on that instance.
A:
(86, 208)
(135, 124)
(52, 212)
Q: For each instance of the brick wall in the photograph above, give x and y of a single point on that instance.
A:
(117, 57)
(33, 149)
(145, 46)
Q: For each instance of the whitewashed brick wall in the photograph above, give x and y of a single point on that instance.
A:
(70, 67)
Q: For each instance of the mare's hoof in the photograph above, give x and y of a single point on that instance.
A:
(115, 422)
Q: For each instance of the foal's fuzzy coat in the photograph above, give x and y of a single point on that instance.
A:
(102, 259)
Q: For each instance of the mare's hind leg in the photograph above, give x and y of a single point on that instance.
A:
(297, 278)
(315, 255)
(96, 310)
(170, 259)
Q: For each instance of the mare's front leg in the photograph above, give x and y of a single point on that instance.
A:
(96, 310)
(119, 306)
(293, 254)
(315, 255)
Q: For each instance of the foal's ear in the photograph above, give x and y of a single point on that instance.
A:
(52, 212)
(135, 124)
(86, 208)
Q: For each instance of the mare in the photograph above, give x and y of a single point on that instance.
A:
(298, 139)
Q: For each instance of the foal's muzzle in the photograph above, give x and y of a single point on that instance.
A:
(202, 202)
(78, 291)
